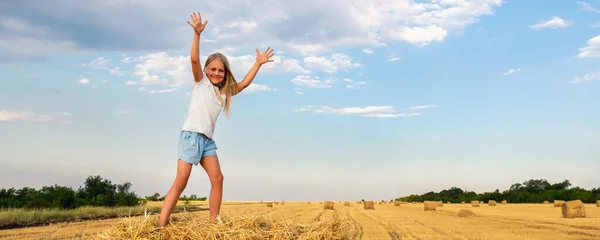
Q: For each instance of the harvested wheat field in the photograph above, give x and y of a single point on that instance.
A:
(299, 220)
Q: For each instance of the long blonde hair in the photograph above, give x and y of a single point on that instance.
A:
(228, 85)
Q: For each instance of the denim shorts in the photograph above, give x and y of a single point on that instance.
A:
(193, 146)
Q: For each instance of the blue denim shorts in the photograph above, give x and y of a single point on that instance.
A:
(193, 146)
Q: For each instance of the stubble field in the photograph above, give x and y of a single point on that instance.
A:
(386, 221)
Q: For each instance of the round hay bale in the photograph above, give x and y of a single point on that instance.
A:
(465, 213)
(369, 205)
(347, 204)
(269, 204)
(573, 209)
(430, 205)
(492, 203)
(597, 203)
(463, 202)
(504, 202)
(328, 205)
(474, 203)
(546, 202)
(397, 203)
(558, 203)
(439, 203)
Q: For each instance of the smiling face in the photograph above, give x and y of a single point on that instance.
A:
(215, 71)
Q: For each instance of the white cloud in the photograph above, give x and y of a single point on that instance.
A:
(313, 81)
(368, 51)
(393, 59)
(369, 111)
(422, 107)
(258, 88)
(310, 27)
(592, 76)
(353, 84)
(555, 22)
(165, 90)
(335, 63)
(26, 116)
(84, 80)
(161, 69)
(123, 111)
(587, 7)
(592, 50)
(511, 71)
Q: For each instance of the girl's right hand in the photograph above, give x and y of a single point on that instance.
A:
(197, 23)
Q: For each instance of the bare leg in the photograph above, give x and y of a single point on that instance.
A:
(183, 174)
(213, 169)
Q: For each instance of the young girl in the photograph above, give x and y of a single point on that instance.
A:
(212, 91)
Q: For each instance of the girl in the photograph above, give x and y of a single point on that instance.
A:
(212, 91)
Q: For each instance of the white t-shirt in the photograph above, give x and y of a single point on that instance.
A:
(204, 108)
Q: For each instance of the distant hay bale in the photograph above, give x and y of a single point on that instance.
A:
(282, 203)
(276, 203)
(347, 204)
(269, 204)
(463, 202)
(430, 205)
(328, 205)
(465, 213)
(573, 209)
(448, 202)
(546, 202)
(558, 203)
(504, 202)
(262, 226)
(492, 203)
(597, 203)
(474, 203)
(397, 203)
(369, 205)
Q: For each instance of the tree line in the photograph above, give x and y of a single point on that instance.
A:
(96, 191)
(530, 191)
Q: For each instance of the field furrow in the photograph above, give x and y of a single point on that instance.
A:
(371, 229)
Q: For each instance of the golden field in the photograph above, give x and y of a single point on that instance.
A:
(386, 221)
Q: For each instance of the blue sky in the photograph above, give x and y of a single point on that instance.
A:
(365, 99)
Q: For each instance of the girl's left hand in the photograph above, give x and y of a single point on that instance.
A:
(263, 57)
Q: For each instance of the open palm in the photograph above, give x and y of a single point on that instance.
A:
(263, 57)
(197, 23)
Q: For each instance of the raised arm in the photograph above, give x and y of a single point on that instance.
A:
(195, 51)
(261, 58)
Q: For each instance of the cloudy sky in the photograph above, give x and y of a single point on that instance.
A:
(365, 99)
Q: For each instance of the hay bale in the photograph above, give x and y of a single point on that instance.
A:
(463, 202)
(448, 202)
(262, 226)
(558, 203)
(347, 204)
(430, 205)
(439, 203)
(465, 213)
(328, 205)
(504, 202)
(269, 204)
(546, 202)
(474, 203)
(492, 203)
(597, 203)
(397, 203)
(573, 209)
(369, 205)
